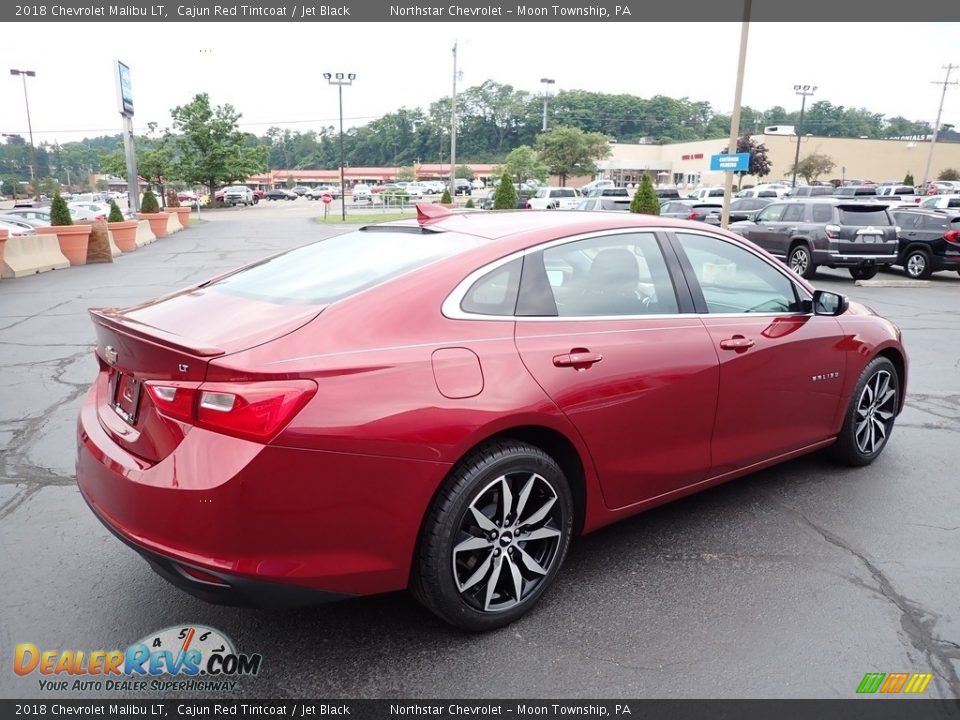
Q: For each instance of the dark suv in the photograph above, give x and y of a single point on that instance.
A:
(834, 232)
(929, 241)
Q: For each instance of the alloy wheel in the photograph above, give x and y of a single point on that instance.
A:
(876, 409)
(799, 261)
(507, 541)
(916, 264)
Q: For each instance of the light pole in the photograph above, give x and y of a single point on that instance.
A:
(936, 125)
(24, 74)
(804, 91)
(339, 79)
(735, 115)
(546, 82)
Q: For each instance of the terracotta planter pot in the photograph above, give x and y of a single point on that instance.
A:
(124, 234)
(183, 212)
(3, 246)
(158, 222)
(73, 240)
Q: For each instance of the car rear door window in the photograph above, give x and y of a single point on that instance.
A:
(793, 213)
(735, 280)
(610, 275)
(930, 222)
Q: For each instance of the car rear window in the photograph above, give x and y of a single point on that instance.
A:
(323, 272)
(864, 217)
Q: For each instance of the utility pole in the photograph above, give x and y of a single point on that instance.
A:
(453, 126)
(803, 90)
(735, 116)
(936, 126)
(546, 82)
(24, 74)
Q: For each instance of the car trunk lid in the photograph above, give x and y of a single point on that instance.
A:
(865, 229)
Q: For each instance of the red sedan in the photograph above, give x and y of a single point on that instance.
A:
(444, 405)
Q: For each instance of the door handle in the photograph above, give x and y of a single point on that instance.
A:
(737, 342)
(579, 359)
(770, 229)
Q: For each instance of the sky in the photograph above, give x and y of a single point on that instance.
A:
(273, 72)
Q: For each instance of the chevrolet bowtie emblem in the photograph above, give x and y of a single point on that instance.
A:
(110, 355)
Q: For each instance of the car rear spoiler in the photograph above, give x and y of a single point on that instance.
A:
(109, 317)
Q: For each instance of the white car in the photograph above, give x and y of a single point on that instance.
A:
(596, 184)
(88, 211)
(940, 202)
(554, 198)
(16, 229)
(478, 184)
(417, 189)
(361, 193)
(706, 192)
(239, 194)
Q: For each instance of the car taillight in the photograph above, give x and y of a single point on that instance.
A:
(952, 237)
(832, 231)
(693, 216)
(254, 410)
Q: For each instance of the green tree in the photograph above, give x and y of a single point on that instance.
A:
(49, 186)
(908, 179)
(406, 174)
(813, 166)
(759, 162)
(115, 214)
(102, 185)
(505, 198)
(522, 163)
(445, 198)
(949, 174)
(469, 205)
(463, 171)
(290, 182)
(568, 151)
(155, 158)
(150, 204)
(59, 212)
(211, 148)
(645, 201)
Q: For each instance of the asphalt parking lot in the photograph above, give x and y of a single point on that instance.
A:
(794, 582)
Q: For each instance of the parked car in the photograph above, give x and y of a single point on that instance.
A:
(361, 193)
(667, 193)
(675, 208)
(22, 223)
(705, 193)
(605, 203)
(811, 191)
(280, 194)
(940, 202)
(833, 232)
(239, 195)
(38, 217)
(300, 190)
(554, 198)
(461, 186)
(901, 191)
(757, 193)
(609, 192)
(316, 193)
(740, 209)
(689, 209)
(855, 191)
(17, 228)
(929, 241)
(487, 440)
(436, 187)
(88, 211)
(595, 185)
(188, 198)
(417, 190)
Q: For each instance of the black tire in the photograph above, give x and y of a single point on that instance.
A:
(917, 264)
(853, 446)
(456, 587)
(800, 260)
(864, 273)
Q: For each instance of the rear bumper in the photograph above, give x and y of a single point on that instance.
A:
(319, 524)
(837, 259)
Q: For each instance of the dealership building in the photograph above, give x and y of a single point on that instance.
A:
(687, 165)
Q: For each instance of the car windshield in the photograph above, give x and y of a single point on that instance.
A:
(863, 216)
(324, 272)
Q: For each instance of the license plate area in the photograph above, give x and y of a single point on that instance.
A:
(125, 396)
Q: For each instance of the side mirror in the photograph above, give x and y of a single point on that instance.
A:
(829, 303)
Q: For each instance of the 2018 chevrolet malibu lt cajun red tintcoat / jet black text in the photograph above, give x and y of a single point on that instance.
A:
(444, 404)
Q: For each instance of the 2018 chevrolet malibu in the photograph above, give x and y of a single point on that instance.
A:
(444, 405)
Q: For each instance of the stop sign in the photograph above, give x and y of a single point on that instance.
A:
(327, 198)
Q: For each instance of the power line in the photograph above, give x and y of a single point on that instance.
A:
(936, 125)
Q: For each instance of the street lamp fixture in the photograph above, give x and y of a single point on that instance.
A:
(546, 82)
(339, 79)
(803, 91)
(24, 74)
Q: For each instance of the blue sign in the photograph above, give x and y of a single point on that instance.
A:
(737, 162)
(124, 90)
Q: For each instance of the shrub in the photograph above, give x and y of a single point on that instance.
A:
(59, 212)
(115, 214)
(949, 174)
(172, 199)
(506, 196)
(470, 204)
(908, 179)
(645, 199)
(149, 204)
(445, 198)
